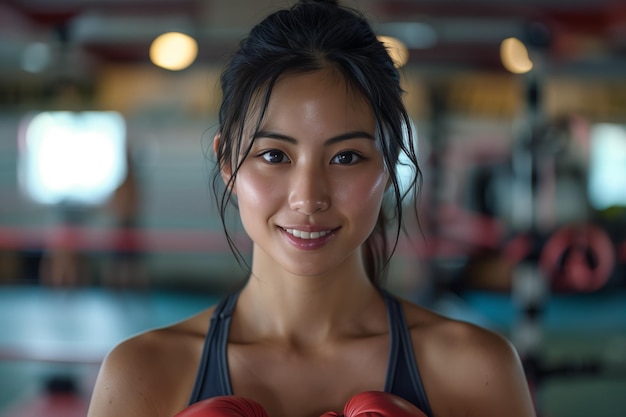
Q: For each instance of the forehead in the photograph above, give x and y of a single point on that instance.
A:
(328, 83)
(322, 98)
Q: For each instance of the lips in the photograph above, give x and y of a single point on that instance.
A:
(311, 239)
(302, 234)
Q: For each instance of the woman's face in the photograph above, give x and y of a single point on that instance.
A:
(311, 188)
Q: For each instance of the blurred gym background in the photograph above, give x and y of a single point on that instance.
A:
(107, 226)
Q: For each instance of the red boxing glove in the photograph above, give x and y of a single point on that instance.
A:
(377, 404)
(224, 406)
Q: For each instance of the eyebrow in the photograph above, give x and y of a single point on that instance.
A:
(357, 134)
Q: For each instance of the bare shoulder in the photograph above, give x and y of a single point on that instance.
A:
(151, 374)
(467, 370)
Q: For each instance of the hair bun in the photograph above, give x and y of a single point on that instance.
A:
(331, 2)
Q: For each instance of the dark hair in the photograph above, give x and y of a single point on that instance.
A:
(309, 36)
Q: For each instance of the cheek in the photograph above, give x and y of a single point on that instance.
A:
(364, 192)
(255, 191)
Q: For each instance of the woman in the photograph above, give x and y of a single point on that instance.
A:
(311, 127)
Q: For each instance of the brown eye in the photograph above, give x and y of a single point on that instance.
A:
(346, 158)
(274, 156)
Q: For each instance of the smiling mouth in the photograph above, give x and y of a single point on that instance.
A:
(307, 235)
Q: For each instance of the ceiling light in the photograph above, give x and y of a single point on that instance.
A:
(174, 51)
(397, 50)
(514, 56)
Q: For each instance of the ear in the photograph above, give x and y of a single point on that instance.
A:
(225, 168)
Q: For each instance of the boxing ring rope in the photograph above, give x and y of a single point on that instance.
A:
(60, 355)
(464, 232)
(105, 239)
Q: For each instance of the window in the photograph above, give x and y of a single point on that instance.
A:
(607, 166)
(72, 157)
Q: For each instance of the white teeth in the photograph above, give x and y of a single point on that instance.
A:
(307, 235)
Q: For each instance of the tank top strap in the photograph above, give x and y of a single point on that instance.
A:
(213, 378)
(403, 378)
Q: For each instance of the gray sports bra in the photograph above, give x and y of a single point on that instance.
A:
(402, 379)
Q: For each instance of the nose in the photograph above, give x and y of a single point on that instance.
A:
(309, 192)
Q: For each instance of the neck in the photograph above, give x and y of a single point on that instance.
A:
(307, 311)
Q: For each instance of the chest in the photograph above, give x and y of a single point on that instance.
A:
(290, 382)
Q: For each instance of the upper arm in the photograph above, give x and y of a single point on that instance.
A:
(473, 372)
(496, 380)
(123, 385)
(150, 375)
